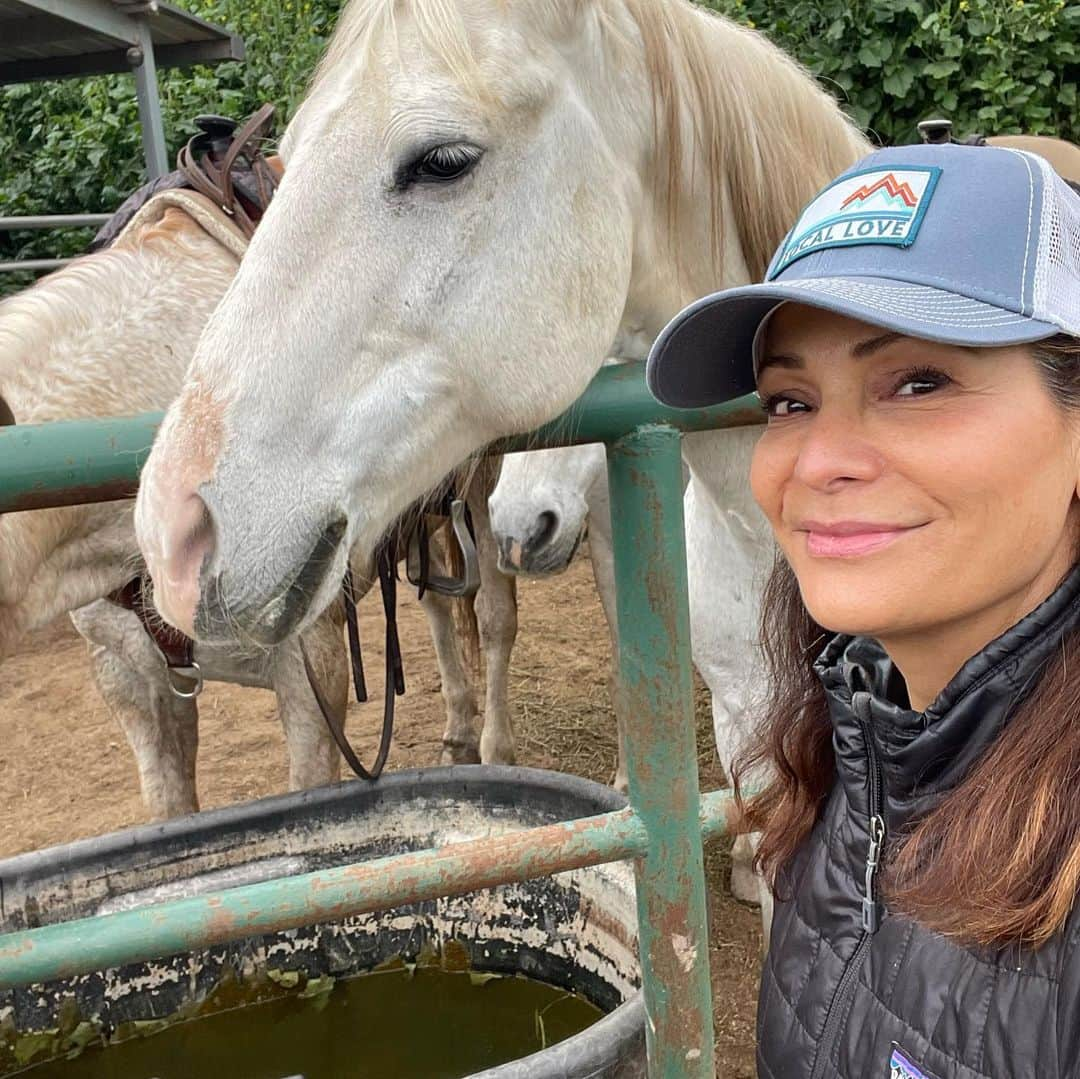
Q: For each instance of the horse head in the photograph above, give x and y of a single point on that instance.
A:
(480, 197)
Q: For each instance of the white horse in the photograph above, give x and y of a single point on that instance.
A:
(482, 200)
(112, 334)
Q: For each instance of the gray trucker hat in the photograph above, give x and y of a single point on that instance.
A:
(969, 245)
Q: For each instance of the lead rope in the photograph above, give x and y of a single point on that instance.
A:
(355, 655)
(395, 675)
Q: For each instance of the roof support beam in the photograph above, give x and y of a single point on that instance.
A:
(107, 63)
(40, 30)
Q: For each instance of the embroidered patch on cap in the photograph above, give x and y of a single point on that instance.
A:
(878, 206)
(900, 1067)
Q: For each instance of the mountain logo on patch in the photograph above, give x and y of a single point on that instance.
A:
(877, 206)
(902, 1067)
(892, 192)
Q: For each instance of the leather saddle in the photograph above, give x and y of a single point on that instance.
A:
(224, 164)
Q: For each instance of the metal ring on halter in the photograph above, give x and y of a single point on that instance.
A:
(178, 675)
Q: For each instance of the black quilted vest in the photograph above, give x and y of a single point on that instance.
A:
(849, 989)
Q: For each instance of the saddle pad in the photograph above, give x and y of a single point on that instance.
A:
(210, 218)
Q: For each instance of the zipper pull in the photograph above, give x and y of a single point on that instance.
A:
(871, 910)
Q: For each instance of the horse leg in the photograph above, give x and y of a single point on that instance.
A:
(723, 569)
(602, 557)
(459, 740)
(161, 728)
(496, 616)
(314, 758)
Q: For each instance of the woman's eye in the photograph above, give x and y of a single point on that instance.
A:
(441, 165)
(920, 382)
(778, 406)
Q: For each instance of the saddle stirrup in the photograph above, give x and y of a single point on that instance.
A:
(417, 560)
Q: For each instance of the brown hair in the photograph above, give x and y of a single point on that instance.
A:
(997, 861)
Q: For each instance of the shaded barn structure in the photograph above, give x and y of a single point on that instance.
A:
(55, 39)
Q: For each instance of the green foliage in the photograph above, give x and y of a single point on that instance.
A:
(991, 66)
(74, 146)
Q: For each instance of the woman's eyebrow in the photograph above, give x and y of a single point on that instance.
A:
(780, 360)
(858, 351)
(872, 344)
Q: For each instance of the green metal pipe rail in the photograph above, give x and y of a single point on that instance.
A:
(99, 460)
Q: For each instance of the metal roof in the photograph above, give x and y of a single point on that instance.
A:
(51, 39)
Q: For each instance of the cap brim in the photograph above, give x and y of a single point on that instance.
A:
(704, 356)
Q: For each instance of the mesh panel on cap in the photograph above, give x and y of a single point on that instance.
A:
(1057, 272)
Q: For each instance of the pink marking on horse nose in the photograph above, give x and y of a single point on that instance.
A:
(187, 542)
(174, 524)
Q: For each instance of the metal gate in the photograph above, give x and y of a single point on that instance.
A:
(662, 829)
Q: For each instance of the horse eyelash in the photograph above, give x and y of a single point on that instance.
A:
(408, 174)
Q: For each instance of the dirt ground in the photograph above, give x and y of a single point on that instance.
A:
(66, 772)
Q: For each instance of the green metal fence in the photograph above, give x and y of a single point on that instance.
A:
(97, 460)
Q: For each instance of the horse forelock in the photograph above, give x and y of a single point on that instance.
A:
(367, 27)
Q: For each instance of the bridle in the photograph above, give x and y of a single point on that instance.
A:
(414, 541)
(228, 167)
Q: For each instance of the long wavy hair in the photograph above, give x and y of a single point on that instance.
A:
(997, 861)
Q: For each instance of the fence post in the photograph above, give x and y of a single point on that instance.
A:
(645, 478)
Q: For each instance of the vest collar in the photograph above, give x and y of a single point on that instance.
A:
(922, 755)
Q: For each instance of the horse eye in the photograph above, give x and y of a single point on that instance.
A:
(441, 164)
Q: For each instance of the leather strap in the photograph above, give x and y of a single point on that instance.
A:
(386, 563)
(177, 650)
(356, 657)
(240, 181)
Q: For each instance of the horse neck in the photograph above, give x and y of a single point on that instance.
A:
(754, 139)
(751, 138)
(113, 333)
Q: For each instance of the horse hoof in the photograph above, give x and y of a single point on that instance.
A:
(460, 754)
(497, 752)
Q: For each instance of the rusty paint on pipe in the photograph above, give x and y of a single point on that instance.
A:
(72, 462)
(151, 932)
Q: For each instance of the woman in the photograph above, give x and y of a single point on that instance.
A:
(915, 348)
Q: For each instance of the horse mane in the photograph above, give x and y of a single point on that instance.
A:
(728, 103)
(756, 117)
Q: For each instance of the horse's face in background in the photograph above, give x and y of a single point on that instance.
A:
(446, 261)
(540, 508)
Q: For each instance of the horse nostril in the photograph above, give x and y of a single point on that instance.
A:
(547, 524)
(197, 542)
(188, 543)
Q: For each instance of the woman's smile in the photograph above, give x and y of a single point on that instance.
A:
(850, 539)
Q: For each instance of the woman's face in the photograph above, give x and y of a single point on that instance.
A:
(912, 485)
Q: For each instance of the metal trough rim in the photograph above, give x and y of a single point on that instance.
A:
(85, 945)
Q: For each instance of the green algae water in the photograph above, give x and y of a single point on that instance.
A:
(399, 1024)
